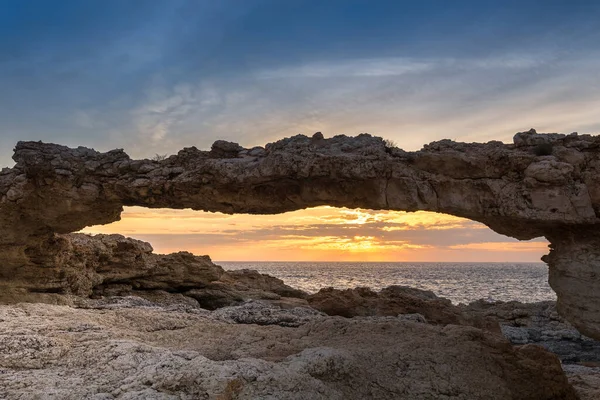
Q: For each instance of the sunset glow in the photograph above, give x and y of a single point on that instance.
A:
(322, 234)
(157, 78)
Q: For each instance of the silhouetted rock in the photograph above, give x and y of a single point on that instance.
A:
(224, 149)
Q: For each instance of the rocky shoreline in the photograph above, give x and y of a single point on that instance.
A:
(130, 348)
(539, 185)
(177, 326)
(103, 317)
(399, 343)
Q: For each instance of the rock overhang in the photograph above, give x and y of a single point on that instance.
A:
(540, 185)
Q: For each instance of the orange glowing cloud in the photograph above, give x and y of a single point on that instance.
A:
(322, 233)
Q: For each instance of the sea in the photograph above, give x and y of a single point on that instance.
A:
(459, 282)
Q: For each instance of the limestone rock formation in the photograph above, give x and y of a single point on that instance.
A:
(134, 349)
(540, 324)
(585, 380)
(113, 265)
(542, 185)
(537, 323)
(391, 301)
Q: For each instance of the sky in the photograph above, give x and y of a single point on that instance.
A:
(153, 77)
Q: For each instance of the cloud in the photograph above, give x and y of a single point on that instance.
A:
(399, 66)
(384, 67)
(155, 119)
(321, 233)
(156, 78)
(412, 101)
(504, 247)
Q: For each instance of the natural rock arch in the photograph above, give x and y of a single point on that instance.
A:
(542, 185)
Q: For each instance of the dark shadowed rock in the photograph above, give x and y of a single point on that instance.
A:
(245, 279)
(391, 301)
(224, 149)
(538, 323)
(113, 265)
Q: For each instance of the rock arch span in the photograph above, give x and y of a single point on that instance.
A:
(541, 185)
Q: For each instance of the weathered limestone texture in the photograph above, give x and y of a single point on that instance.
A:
(542, 185)
(113, 265)
(392, 300)
(540, 324)
(133, 349)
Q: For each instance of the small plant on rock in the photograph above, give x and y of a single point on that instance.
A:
(389, 143)
(159, 157)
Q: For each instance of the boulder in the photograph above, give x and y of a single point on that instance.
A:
(391, 301)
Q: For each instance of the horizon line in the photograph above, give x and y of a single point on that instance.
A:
(374, 262)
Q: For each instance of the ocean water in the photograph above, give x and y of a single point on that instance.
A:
(459, 282)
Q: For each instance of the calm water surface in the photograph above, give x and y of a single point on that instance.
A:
(459, 282)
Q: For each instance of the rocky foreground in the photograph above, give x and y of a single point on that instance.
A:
(400, 343)
(177, 326)
(130, 348)
(105, 318)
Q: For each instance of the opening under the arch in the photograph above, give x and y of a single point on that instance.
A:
(323, 234)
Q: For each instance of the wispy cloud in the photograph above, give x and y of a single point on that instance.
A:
(413, 101)
(410, 100)
(384, 67)
(155, 118)
(398, 66)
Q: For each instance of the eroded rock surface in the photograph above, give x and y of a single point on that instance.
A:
(113, 265)
(130, 348)
(538, 323)
(390, 301)
(542, 185)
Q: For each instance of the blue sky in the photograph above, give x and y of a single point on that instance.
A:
(155, 76)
